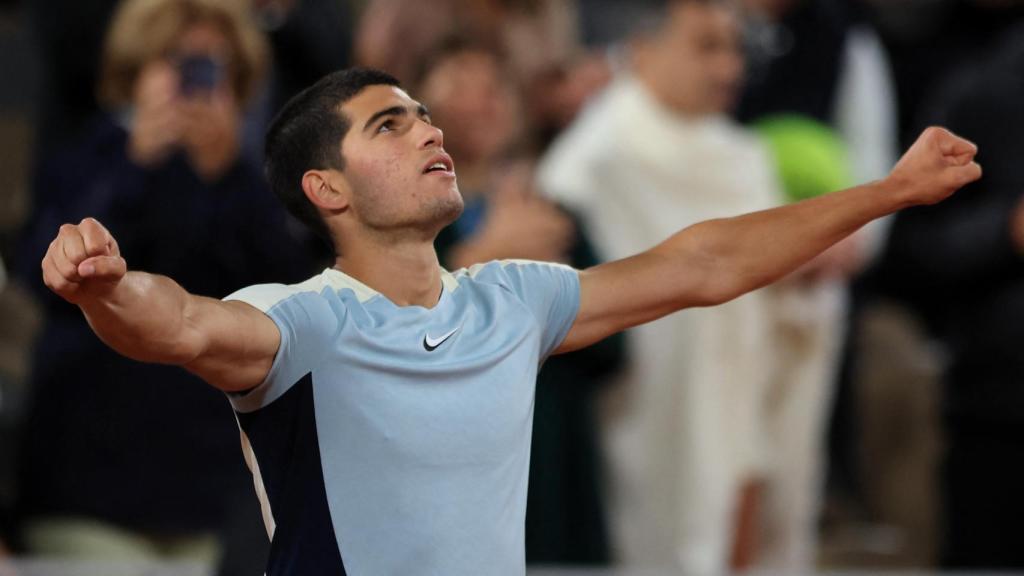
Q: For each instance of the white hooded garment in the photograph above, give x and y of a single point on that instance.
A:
(704, 384)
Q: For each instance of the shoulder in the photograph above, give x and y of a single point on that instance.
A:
(502, 271)
(331, 287)
(266, 296)
(599, 119)
(524, 280)
(565, 171)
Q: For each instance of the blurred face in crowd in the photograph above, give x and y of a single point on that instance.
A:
(396, 171)
(476, 105)
(694, 62)
(184, 100)
(194, 67)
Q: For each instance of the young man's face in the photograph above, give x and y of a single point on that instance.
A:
(395, 164)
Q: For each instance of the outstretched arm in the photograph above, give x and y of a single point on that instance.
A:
(715, 261)
(151, 318)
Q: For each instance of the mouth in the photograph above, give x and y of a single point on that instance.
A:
(440, 164)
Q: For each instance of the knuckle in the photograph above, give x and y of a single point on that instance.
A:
(63, 270)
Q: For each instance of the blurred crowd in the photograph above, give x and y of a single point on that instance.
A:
(864, 411)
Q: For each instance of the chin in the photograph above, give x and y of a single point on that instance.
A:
(440, 212)
(450, 210)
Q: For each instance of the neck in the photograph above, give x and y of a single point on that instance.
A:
(648, 70)
(406, 273)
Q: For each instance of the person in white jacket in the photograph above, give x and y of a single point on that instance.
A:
(716, 396)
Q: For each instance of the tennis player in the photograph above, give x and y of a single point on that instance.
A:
(385, 404)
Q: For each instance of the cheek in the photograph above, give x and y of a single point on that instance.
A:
(386, 182)
(383, 169)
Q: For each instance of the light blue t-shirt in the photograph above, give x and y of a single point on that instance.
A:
(393, 440)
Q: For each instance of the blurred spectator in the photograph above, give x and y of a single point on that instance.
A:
(474, 102)
(651, 155)
(538, 39)
(559, 74)
(962, 267)
(719, 398)
(308, 39)
(393, 35)
(132, 460)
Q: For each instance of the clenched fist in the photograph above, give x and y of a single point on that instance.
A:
(933, 168)
(83, 262)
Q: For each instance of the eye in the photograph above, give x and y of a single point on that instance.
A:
(386, 126)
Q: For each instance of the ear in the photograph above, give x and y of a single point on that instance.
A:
(327, 189)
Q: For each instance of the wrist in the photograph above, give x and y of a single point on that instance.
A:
(894, 193)
(97, 295)
(142, 156)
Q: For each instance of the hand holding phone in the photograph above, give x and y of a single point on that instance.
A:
(156, 125)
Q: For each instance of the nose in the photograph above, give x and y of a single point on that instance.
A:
(432, 136)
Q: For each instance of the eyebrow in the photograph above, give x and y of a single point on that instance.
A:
(421, 111)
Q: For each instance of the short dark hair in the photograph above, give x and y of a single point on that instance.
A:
(306, 134)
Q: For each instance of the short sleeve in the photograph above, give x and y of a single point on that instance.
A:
(552, 292)
(307, 321)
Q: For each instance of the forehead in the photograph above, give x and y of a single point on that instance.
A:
(706, 17)
(204, 37)
(373, 99)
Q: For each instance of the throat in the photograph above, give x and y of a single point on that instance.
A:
(406, 277)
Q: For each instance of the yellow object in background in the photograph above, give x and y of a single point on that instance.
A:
(810, 157)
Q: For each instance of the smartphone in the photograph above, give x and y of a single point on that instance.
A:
(199, 74)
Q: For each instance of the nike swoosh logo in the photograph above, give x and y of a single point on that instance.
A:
(430, 344)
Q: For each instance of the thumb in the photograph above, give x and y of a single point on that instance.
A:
(102, 268)
(963, 175)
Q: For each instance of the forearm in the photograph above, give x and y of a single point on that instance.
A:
(750, 251)
(145, 317)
